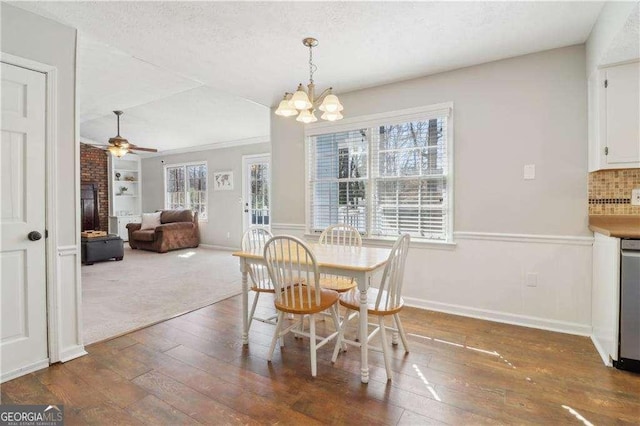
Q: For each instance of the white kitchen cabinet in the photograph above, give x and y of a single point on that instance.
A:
(614, 117)
(125, 204)
(605, 296)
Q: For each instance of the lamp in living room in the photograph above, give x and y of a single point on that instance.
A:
(303, 103)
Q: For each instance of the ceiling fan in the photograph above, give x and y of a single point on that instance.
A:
(119, 146)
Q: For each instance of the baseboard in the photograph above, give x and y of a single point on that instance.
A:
(24, 370)
(503, 317)
(72, 353)
(217, 247)
(603, 354)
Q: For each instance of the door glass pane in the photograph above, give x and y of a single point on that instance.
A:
(259, 196)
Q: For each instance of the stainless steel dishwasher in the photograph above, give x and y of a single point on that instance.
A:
(629, 358)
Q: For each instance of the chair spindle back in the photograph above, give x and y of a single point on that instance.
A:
(254, 239)
(341, 235)
(393, 275)
(293, 270)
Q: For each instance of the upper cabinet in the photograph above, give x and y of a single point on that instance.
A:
(614, 117)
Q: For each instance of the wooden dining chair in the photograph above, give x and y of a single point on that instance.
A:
(381, 302)
(339, 235)
(254, 239)
(294, 273)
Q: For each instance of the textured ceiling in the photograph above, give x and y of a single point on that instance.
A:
(626, 44)
(190, 118)
(254, 50)
(163, 110)
(194, 73)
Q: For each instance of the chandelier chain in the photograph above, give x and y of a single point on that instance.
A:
(312, 67)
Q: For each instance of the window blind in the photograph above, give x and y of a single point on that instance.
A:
(385, 180)
(339, 171)
(410, 183)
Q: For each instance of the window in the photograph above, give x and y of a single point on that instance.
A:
(384, 179)
(186, 187)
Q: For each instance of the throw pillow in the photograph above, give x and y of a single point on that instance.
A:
(150, 220)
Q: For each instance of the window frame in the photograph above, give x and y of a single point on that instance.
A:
(388, 118)
(185, 165)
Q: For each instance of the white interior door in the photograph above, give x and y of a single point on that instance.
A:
(23, 311)
(257, 190)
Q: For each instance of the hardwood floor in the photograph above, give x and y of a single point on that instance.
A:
(193, 369)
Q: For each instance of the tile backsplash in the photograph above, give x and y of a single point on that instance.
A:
(610, 191)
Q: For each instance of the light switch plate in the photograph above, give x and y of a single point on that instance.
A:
(529, 172)
(635, 197)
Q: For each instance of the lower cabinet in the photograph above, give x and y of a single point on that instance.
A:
(605, 296)
(118, 225)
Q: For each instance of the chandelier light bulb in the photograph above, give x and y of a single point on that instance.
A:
(331, 103)
(285, 109)
(332, 116)
(300, 99)
(307, 117)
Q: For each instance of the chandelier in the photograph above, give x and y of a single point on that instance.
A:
(303, 103)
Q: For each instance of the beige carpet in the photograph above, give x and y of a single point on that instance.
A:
(148, 287)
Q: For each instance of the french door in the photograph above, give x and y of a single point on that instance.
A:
(256, 185)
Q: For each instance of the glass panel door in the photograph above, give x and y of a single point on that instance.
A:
(257, 197)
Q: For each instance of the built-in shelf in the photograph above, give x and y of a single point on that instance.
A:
(124, 207)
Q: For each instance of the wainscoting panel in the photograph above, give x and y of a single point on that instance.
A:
(69, 298)
(530, 280)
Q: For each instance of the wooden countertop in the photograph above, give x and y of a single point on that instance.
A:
(620, 226)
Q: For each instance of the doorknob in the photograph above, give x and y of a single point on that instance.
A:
(34, 236)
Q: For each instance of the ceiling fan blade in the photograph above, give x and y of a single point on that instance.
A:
(139, 148)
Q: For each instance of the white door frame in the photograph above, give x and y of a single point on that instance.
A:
(245, 184)
(53, 283)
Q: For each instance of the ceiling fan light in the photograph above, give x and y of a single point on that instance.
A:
(332, 116)
(331, 103)
(300, 99)
(307, 117)
(118, 151)
(285, 109)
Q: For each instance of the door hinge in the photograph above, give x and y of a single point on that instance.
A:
(606, 150)
(606, 84)
(46, 233)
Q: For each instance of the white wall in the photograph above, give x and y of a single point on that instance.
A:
(609, 40)
(39, 39)
(225, 209)
(526, 110)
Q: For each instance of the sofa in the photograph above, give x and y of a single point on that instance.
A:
(178, 229)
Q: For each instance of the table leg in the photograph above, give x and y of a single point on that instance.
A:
(364, 335)
(245, 303)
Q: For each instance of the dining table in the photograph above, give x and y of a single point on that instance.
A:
(360, 263)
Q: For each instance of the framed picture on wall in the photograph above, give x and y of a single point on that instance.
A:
(223, 181)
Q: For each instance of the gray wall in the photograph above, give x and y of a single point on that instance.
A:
(526, 110)
(225, 208)
(33, 37)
